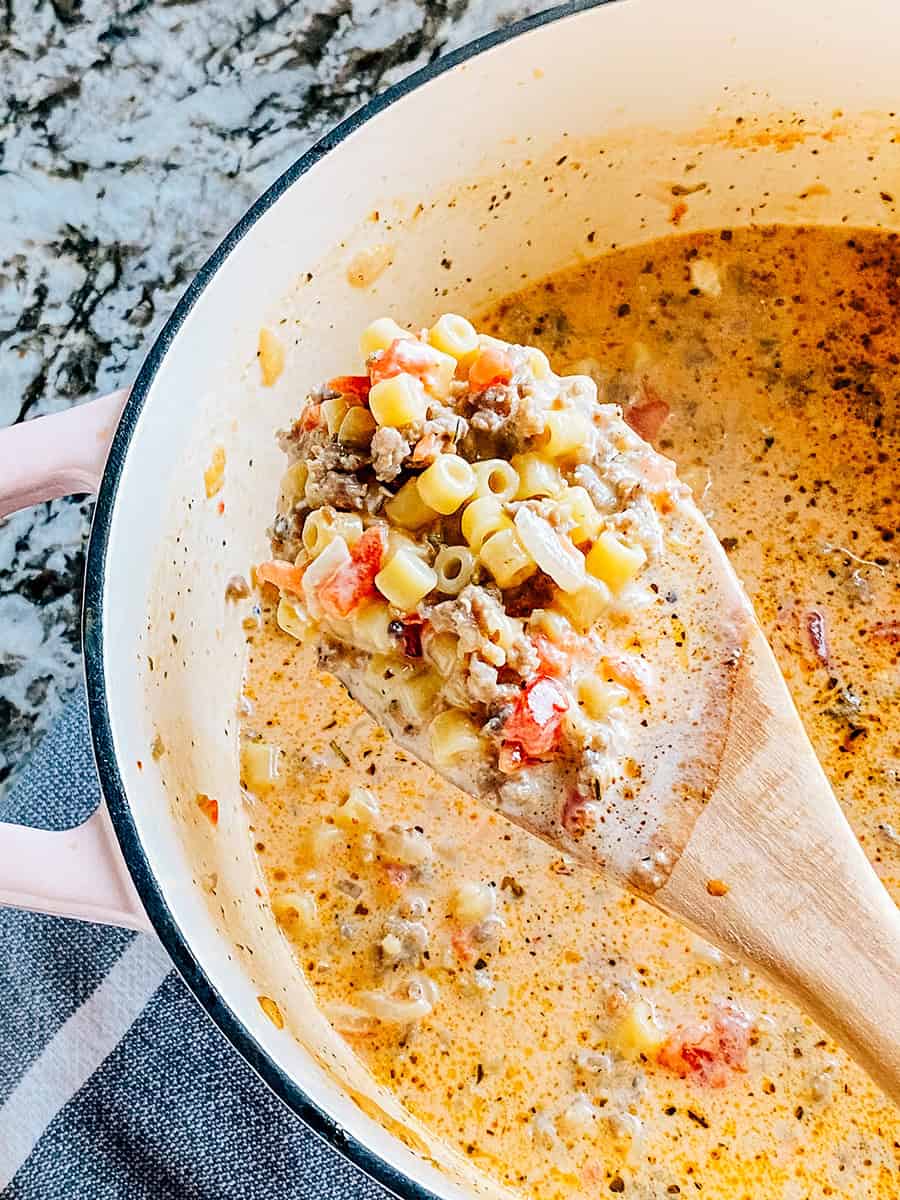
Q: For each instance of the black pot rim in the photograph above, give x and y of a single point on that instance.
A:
(147, 886)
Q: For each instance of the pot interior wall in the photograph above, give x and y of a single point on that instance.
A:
(616, 125)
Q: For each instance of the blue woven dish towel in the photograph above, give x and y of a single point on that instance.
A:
(113, 1082)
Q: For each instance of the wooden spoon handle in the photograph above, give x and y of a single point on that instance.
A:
(773, 873)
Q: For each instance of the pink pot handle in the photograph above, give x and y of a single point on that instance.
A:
(78, 872)
(74, 873)
(57, 455)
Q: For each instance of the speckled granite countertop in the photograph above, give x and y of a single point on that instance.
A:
(135, 135)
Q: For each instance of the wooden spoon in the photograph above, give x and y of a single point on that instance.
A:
(773, 874)
(733, 827)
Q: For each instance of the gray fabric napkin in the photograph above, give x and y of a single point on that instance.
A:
(113, 1082)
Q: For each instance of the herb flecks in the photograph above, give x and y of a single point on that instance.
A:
(338, 750)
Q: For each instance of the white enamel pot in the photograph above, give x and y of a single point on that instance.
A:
(587, 127)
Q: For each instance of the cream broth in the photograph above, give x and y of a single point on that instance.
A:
(514, 987)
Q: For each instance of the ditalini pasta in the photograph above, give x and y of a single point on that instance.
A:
(470, 542)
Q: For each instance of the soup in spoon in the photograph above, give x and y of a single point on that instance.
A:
(516, 586)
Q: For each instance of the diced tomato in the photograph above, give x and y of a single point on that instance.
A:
(409, 632)
(351, 387)
(286, 576)
(732, 1026)
(492, 366)
(209, 807)
(594, 1175)
(397, 876)
(806, 630)
(710, 1051)
(553, 659)
(311, 416)
(817, 632)
(632, 672)
(576, 817)
(647, 413)
(405, 356)
(886, 631)
(535, 721)
(461, 941)
(349, 585)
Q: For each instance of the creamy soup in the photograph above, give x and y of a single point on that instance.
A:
(517, 1004)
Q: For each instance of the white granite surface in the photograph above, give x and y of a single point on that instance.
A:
(133, 136)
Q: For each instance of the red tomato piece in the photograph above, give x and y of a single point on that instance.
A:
(576, 816)
(732, 1027)
(405, 356)
(817, 632)
(632, 672)
(284, 575)
(594, 1175)
(351, 387)
(492, 366)
(461, 941)
(310, 417)
(397, 876)
(553, 659)
(711, 1051)
(349, 585)
(534, 723)
(209, 807)
(648, 413)
(886, 631)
